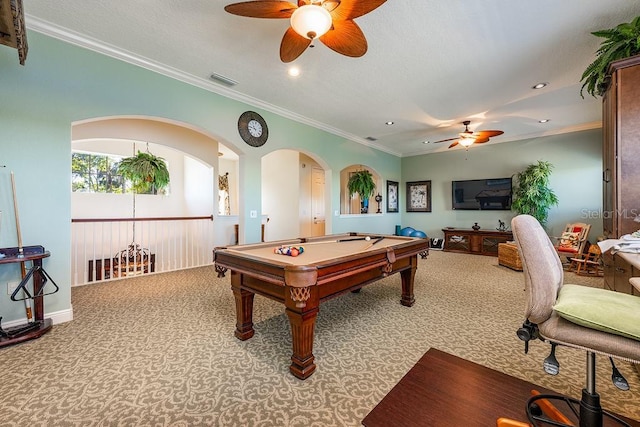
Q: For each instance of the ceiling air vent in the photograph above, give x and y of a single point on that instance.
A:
(222, 79)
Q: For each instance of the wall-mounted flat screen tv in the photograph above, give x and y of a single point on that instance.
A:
(482, 194)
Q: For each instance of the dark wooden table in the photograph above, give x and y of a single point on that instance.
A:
(34, 254)
(447, 391)
(326, 269)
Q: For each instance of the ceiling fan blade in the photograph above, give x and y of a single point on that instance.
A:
(481, 139)
(346, 38)
(488, 133)
(292, 45)
(444, 140)
(330, 5)
(351, 9)
(453, 144)
(262, 9)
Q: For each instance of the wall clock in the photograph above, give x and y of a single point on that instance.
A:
(253, 128)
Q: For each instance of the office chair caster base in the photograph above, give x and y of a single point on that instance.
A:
(587, 412)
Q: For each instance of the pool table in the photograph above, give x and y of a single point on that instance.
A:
(328, 267)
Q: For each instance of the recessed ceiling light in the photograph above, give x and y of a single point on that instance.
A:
(544, 120)
(294, 71)
(389, 123)
(426, 142)
(539, 85)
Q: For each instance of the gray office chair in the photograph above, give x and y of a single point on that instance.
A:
(550, 304)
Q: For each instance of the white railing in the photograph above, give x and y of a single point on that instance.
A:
(114, 248)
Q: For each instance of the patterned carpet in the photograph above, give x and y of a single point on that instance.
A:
(159, 350)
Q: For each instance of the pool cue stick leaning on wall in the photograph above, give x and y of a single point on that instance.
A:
(23, 269)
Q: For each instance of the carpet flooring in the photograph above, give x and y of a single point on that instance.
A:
(159, 350)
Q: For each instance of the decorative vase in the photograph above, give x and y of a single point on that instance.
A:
(475, 226)
(364, 206)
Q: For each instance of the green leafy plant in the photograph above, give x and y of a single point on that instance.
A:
(532, 194)
(620, 42)
(361, 182)
(145, 171)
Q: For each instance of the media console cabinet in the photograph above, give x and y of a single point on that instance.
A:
(481, 242)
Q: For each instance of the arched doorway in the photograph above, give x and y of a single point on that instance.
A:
(295, 195)
(176, 229)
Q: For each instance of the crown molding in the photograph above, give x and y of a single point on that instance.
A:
(81, 40)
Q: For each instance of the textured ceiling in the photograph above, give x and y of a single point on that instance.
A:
(430, 64)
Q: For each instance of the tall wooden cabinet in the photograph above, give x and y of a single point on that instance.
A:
(621, 148)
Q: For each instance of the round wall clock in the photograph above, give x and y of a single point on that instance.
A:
(253, 128)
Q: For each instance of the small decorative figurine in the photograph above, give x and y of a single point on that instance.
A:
(475, 226)
(378, 199)
(501, 226)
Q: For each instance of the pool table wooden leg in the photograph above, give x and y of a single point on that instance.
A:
(244, 308)
(408, 276)
(303, 322)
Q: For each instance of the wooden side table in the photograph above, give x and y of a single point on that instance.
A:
(35, 254)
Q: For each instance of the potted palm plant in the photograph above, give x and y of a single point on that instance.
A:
(620, 42)
(362, 182)
(147, 173)
(532, 194)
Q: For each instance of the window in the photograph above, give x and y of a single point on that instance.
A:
(97, 173)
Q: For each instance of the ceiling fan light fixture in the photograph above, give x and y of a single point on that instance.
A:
(467, 141)
(311, 21)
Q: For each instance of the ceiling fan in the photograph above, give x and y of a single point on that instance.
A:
(467, 137)
(331, 21)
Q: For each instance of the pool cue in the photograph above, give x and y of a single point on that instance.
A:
(335, 241)
(373, 243)
(23, 268)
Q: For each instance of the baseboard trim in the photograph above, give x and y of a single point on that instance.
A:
(56, 317)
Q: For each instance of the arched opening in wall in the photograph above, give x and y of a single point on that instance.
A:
(295, 198)
(228, 194)
(367, 180)
(118, 233)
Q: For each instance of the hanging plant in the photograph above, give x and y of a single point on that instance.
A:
(361, 182)
(145, 171)
(532, 194)
(620, 42)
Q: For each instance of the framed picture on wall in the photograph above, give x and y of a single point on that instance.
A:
(393, 197)
(419, 196)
